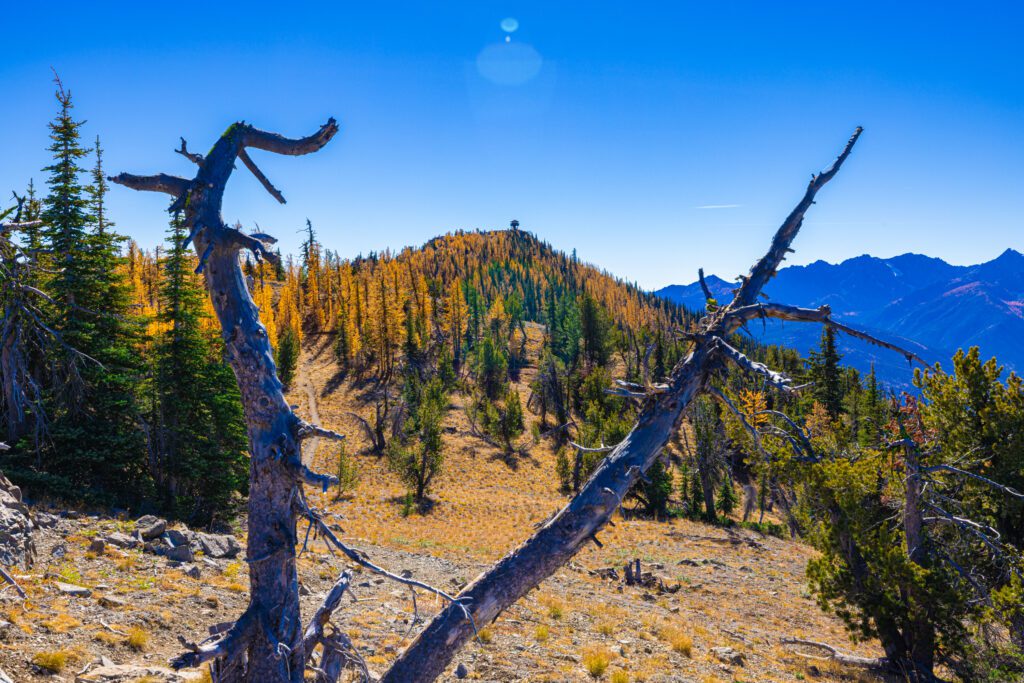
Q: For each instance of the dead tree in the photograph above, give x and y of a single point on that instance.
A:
(268, 642)
(587, 513)
(24, 335)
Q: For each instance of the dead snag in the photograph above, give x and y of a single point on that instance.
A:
(587, 513)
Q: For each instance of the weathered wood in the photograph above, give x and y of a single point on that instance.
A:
(270, 632)
(556, 542)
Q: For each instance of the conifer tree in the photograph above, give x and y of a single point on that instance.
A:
(200, 431)
(98, 448)
(287, 356)
(823, 366)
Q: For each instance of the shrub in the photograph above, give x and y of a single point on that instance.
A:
(53, 661)
(542, 633)
(596, 661)
(137, 639)
(347, 473)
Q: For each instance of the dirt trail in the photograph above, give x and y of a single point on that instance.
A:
(309, 446)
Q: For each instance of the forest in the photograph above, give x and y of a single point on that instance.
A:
(151, 379)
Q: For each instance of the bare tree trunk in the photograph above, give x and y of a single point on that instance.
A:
(562, 537)
(266, 643)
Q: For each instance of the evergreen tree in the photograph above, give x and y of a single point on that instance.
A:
(872, 412)
(656, 489)
(823, 366)
(595, 327)
(97, 446)
(727, 499)
(287, 356)
(200, 432)
(419, 456)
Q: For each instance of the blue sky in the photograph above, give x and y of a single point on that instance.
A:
(605, 127)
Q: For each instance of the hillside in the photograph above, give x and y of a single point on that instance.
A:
(909, 299)
(727, 589)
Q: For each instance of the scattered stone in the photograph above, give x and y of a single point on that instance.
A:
(122, 540)
(176, 537)
(123, 673)
(728, 655)
(73, 590)
(191, 571)
(219, 545)
(180, 553)
(461, 671)
(111, 602)
(97, 546)
(44, 520)
(150, 527)
(212, 564)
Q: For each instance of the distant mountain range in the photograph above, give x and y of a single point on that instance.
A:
(919, 301)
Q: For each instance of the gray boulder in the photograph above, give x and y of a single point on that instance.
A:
(122, 540)
(150, 527)
(219, 545)
(16, 546)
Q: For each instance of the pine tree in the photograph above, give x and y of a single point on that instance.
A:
(727, 499)
(287, 356)
(199, 430)
(98, 448)
(823, 366)
(872, 412)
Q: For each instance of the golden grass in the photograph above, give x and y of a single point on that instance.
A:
(61, 623)
(596, 661)
(137, 639)
(54, 661)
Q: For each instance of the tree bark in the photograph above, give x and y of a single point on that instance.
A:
(270, 631)
(562, 537)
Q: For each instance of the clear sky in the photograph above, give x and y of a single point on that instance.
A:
(653, 138)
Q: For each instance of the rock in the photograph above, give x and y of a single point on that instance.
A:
(175, 537)
(59, 551)
(180, 553)
(122, 540)
(123, 673)
(303, 590)
(111, 602)
(97, 546)
(45, 520)
(72, 589)
(191, 571)
(219, 545)
(212, 564)
(4, 678)
(727, 655)
(461, 671)
(150, 527)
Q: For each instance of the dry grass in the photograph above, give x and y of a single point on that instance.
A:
(61, 623)
(55, 660)
(137, 639)
(596, 661)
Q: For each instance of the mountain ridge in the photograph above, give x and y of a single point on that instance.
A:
(912, 298)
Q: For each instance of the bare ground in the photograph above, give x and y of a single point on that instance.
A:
(735, 589)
